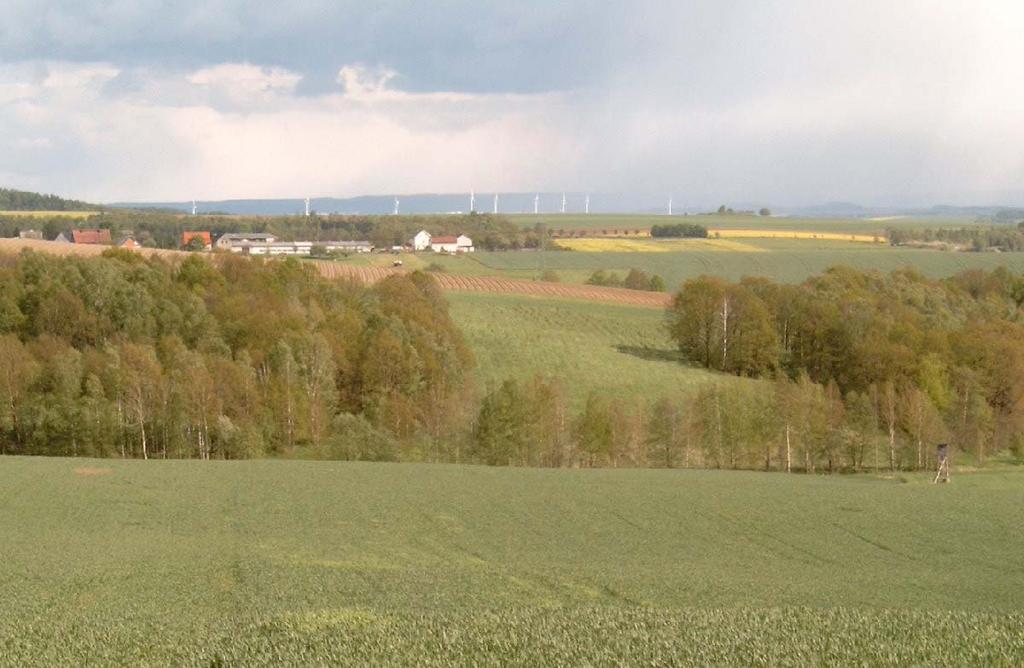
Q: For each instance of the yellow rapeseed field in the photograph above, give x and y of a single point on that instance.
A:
(49, 214)
(617, 245)
(789, 234)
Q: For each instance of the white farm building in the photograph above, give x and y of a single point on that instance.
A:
(449, 244)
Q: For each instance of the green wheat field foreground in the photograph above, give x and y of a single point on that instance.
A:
(295, 563)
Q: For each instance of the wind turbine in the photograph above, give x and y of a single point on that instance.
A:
(307, 207)
(536, 204)
(472, 201)
(586, 205)
(563, 202)
(193, 207)
(495, 202)
(395, 212)
(670, 205)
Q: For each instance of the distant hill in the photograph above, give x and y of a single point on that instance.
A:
(435, 203)
(20, 200)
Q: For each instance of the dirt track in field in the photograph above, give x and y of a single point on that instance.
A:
(452, 282)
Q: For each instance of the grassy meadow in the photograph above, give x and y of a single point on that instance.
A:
(295, 563)
(623, 351)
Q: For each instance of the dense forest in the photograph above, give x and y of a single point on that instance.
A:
(163, 230)
(914, 359)
(997, 237)
(119, 356)
(20, 200)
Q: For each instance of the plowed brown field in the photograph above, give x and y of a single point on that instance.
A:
(451, 282)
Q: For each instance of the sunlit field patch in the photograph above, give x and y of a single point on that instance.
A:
(49, 214)
(791, 234)
(656, 245)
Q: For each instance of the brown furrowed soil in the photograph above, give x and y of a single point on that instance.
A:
(452, 282)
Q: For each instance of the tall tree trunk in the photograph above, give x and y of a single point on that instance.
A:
(725, 331)
(789, 451)
(142, 429)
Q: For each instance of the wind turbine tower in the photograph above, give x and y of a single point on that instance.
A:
(586, 205)
(536, 204)
(495, 202)
(670, 206)
(307, 207)
(472, 201)
(193, 207)
(563, 202)
(395, 212)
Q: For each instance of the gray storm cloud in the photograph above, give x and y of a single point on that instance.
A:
(785, 102)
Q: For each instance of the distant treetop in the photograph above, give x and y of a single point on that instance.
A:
(20, 200)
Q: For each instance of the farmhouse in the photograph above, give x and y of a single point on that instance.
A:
(204, 237)
(446, 244)
(91, 237)
(421, 241)
(62, 239)
(128, 242)
(30, 234)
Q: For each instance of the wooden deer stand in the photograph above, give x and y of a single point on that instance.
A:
(943, 472)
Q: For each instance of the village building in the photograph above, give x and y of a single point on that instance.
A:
(61, 239)
(205, 237)
(127, 242)
(30, 234)
(349, 246)
(92, 237)
(301, 248)
(235, 241)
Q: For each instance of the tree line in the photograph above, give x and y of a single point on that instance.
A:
(791, 425)
(1007, 238)
(679, 230)
(164, 230)
(635, 279)
(943, 356)
(20, 200)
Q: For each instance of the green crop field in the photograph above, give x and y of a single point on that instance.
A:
(302, 563)
(623, 351)
(783, 260)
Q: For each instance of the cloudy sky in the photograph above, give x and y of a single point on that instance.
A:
(791, 102)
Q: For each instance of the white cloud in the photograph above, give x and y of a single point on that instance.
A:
(238, 130)
(244, 82)
(792, 102)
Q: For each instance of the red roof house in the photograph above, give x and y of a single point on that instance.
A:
(91, 236)
(205, 236)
